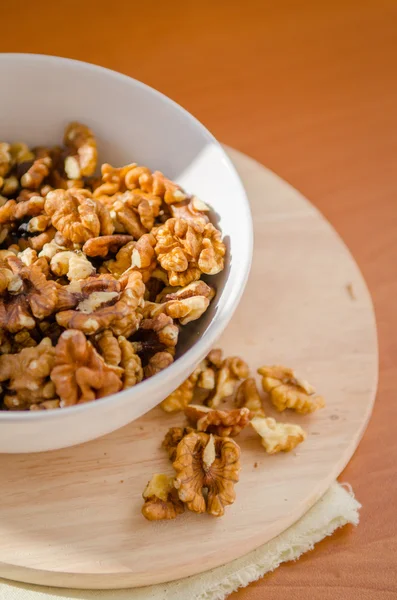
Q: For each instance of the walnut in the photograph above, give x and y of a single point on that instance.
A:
(105, 244)
(286, 391)
(21, 153)
(224, 423)
(161, 499)
(215, 357)
(122, 262)
(158, 362)
(120, 352)
(133, 176)
(38, 242)
(5, 159)
(207, 378)
(133, 212)
(248, 396)
(172, 439)
(196, 288)
(183, 395)
(185, 249)
(28, 256)
(130, 363)
(136, 256)
(191, 209)
(45, 405)
(37, 297)
(4, 254)
(81, 144)
(156, 335)
(34, 176)
(206, 462)
(10, 186)
(26, 194)
(186, 304)
(27, 376)
(9, 281)
(15, 211)
(103, 306)
(12, 344)
(38, 224)
(212, 256)
(231, 371)
(45, 189)
(74, 265)
(80, 374)
(5, 342)
(109, 347)
(130, 300)
(76, 215)
(178, 248)
(50, 249)
(278, 437)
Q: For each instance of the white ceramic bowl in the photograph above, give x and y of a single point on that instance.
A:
(133, 122)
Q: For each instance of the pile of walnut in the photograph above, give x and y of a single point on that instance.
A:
(205, 458)
(96, 273)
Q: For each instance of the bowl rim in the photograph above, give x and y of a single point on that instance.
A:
(225, 312)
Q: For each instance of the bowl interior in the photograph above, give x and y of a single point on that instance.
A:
(134, 123)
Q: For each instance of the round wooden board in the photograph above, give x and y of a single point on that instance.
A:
(72, 518)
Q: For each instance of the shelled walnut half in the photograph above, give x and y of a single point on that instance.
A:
(206, 462)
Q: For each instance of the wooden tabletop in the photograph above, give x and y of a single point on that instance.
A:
(310, 90)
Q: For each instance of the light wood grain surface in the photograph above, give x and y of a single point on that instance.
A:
(310, 90)
(101, 539)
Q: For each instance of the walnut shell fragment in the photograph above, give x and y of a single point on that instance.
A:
(161, 499)
(207, 462)
(278, 437)
(225, 423)
(286, 391)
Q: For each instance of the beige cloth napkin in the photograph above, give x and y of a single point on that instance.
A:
(336, 508)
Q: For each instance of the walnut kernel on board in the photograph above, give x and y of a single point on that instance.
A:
(161, 499)
(206, 462)
(286, 391)
(224, 423)
(278, 437)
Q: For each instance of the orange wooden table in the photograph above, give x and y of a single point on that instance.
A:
(310, 90)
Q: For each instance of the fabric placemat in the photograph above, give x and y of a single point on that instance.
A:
(336, 508)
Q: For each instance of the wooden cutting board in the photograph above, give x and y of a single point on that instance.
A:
(72, 517)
